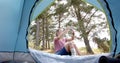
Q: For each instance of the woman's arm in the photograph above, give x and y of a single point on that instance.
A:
(63, 33)
(72, 37)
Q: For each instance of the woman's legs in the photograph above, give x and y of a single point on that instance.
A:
(77, 50)
(63, 51)
(71, 47)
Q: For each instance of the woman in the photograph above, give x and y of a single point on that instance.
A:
(65, 46)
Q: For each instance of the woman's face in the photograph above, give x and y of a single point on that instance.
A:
(59, 31)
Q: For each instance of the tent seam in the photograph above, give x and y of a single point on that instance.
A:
(112, 21)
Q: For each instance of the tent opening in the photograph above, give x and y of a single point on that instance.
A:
(92, 34)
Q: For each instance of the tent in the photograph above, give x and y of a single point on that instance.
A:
(14, 21)
(111, 9)
(15, 17)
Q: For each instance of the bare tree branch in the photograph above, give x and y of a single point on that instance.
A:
(91, 17)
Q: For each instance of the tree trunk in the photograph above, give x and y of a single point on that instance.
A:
(43, 45)
(47, 32)
(59, 24)
(83, 30)
(59, 21)
(48, 44)
(37, 43)
(88, 48)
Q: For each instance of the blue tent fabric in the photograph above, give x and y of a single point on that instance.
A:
(43, 4)
(10, 23)
(111, 8)
(14, 22)
(94, 3)
(9, 20)
(15, 16)
(111, 26)
(23, 26)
